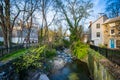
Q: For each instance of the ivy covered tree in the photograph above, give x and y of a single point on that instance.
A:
(74, 12)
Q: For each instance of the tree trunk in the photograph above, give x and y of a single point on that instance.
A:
(9, 40)
(5, 39)
(9, 29)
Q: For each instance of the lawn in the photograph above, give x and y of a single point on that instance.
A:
(13, 55)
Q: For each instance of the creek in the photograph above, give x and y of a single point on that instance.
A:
(64, 67)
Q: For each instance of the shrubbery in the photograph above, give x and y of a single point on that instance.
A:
(66, 43)
(33, 59)
(58, 43)
(49, 53)
(79, 49)
(30, 59)
(102, 46)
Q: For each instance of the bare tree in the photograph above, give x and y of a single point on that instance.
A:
(33, 7)
(74, 12)
(28, 9)
(46, 6)
(7, 21)
(113, 8)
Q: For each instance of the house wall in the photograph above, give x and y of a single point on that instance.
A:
(21, 40)
(108, 36)
(16, 35)
(94, 30)
(18, 38)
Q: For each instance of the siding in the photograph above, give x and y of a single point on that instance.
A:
(94, 30)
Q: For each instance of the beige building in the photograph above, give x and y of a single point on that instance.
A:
(106, 32)
(112, 32)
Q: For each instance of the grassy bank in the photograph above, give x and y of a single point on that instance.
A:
(13, 55)
(79, 49)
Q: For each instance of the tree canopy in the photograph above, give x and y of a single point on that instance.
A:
(74, 11)
(113, 8)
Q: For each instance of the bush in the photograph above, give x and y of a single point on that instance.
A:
(79, 49)
(30, 59)
(102, 46)
(66, 43)
(50, 53)
(58, 43)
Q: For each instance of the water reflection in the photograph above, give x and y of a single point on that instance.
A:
(71, 71)
(67, 69)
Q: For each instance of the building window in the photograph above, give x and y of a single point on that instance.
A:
(112, 32)
(98, 34)
(97, 26)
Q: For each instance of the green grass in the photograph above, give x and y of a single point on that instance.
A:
(13, 55)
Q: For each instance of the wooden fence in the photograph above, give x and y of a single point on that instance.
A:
(111, 54)
(4, 51)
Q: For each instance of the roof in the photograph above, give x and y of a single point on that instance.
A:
(112, 20)
(97, 20)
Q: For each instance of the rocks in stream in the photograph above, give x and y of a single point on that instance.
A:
(65, 56)
(43, 77)
(58, 63)
(60, 60)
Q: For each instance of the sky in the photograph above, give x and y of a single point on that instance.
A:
(98, 7)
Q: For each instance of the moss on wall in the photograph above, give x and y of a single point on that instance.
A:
(99, 67)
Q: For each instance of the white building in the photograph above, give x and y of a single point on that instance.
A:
(96, 31)
(19, 35)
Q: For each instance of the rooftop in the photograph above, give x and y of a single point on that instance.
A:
(112, 20)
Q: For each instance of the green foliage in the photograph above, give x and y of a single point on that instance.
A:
(13, 55)
(76, 33)
(102, 46)
(30, 59)
(49, 53)
(95, 54)
(58, 43)
(74, 15)
(66, 43)
(79, 49)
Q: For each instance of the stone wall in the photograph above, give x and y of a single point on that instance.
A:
(101, 68)
(7, 71)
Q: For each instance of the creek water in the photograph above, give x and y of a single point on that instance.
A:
(65, 68)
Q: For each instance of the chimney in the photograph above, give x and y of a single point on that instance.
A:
(90, 24)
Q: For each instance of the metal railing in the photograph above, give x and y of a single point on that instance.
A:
(111, 54)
